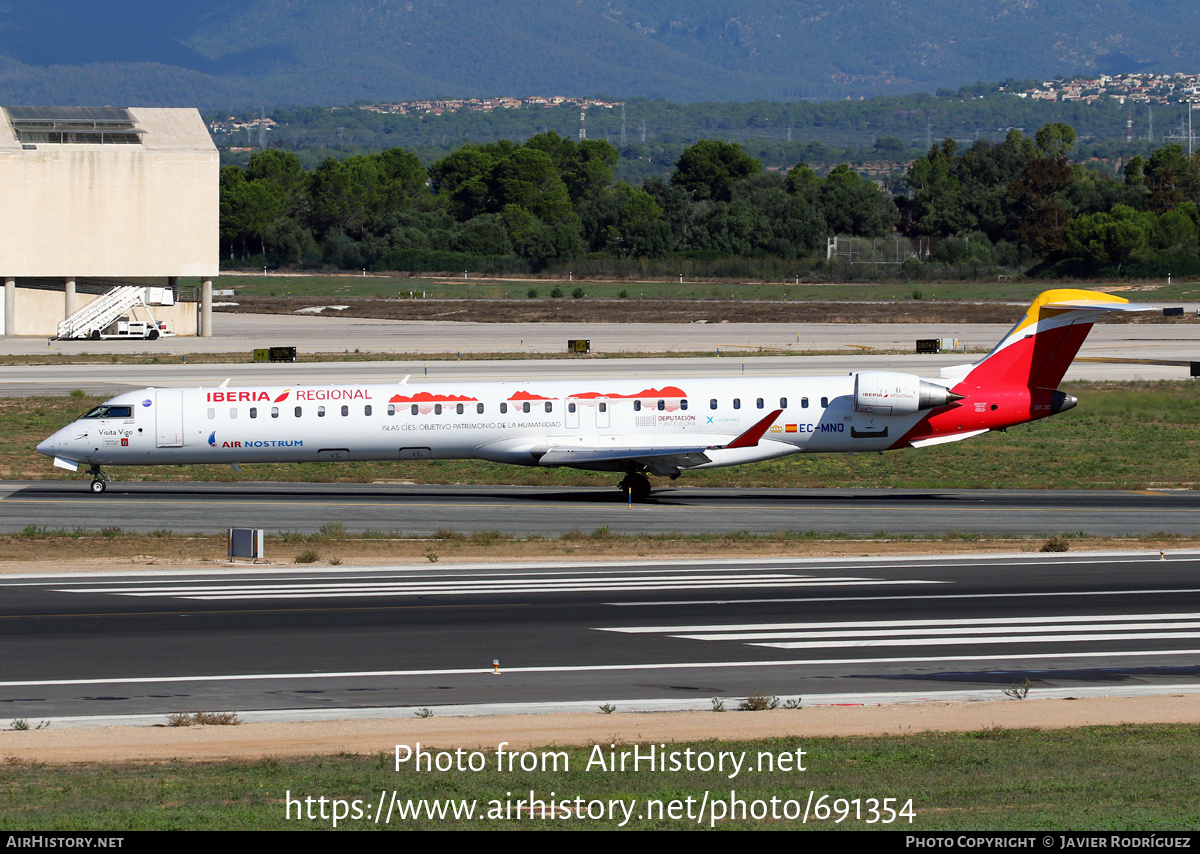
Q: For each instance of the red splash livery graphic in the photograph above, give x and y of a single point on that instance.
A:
(667, 392)
(426, 397)
(672, 396)
(424, 402)
(525, 395)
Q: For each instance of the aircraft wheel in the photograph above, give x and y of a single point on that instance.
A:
(638, 484)
(98, 486)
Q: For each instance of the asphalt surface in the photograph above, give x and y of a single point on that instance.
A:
(428, 636)
(409, 510)
(346, 638)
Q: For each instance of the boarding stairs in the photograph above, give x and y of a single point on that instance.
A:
(98, 314)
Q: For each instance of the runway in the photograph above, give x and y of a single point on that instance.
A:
(344, 638)
(420, 511)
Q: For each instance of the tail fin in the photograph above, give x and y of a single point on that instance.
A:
(1038, 350)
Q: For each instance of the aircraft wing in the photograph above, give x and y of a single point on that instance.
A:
(669, 457)
(657, 458)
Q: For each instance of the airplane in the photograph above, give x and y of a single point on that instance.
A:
(635, 427)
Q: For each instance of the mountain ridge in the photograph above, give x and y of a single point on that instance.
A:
(312, 51)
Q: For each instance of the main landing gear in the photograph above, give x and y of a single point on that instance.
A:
(636, 486)
(99, 479)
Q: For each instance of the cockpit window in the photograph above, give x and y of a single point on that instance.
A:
(106, 411)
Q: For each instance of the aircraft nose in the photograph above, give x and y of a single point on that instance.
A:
(55, 444)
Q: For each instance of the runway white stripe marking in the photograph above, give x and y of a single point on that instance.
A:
(459, 588)
(990, 639)
(474, 583)
(597, 668)
(861, 624)
(958, 631)
(348, 584)
(574, 588)
(939, 597)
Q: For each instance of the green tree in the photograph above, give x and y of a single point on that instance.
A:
(1171, 179)
(347, 195)
(710, 168)
(1110, 238)
(281, 169)
(850, 204)
(527, 178)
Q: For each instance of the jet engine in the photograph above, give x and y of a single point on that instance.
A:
(891, 393)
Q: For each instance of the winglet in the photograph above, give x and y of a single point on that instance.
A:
(750, 438)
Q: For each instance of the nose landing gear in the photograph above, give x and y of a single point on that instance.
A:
(99, 479)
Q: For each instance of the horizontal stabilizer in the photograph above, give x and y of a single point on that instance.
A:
(1096, 305)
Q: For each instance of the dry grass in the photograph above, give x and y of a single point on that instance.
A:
(124, 552)
(203, 719)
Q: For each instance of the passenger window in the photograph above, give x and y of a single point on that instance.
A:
(212, 413)
(415, 409)
(391, 409)
(712, 404)
(571, 407)
(525, 406)
(737, 403)
(320, 411)
(253, 411)
(824, 402)
(367, 409)
(503, 408)
(804, 403)
(637, 406)
(459, 409)
(662, 404)
(233, 412)
(345, 411)
(274, 411)
(479, 408)
(604, 407)
(760, 403)
(683, 404)
(299, 411)
(549, 406)
(437, 409)
(783, 403)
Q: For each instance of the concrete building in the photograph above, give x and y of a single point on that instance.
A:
(96, 197)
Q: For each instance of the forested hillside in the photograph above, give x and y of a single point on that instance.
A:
(255, 52)
(882, 133)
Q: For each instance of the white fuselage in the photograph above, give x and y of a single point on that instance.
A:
(511, 422)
